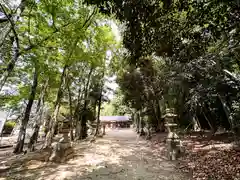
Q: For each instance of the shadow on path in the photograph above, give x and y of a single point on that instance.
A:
(120, 155)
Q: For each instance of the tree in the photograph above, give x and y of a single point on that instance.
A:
(55, 46)
(198, 47)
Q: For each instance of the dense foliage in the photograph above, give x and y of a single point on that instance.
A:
(182, 55)
(116, 106)
(53, 63)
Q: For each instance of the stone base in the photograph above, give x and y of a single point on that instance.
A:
(62, 151)
(174, 149)
(148, 137)
(100, 135)
(4, 168)
(142, 133)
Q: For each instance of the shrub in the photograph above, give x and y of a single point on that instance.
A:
(8, 126)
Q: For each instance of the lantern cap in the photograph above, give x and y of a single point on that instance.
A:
(170, 124)
(169, 115)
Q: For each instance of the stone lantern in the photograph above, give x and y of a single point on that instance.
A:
(104, 128)
(173, 141)
(62, 150)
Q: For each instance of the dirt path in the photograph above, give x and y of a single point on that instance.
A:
(120, 155)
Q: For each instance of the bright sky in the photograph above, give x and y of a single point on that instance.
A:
(116, 32)
(112, 84)
(14, 3)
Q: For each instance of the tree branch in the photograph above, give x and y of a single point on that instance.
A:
(58, 30)
(90, 17)
(44, 39)
(5, 36)
(29, 24)
(12, 25)
(16, 47)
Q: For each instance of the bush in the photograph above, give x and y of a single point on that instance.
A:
(8, 127)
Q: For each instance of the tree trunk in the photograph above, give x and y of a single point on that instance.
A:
(209, 123)
(142, 133)
(76, 115)
(70, 109)
(34, 137)
(155, 122)
(227, 112)
(138, 122)
(39, 112)
(83, 127)
(196, 124)
(53, 119)
(24, 122)
(133, 120)
(95, 109)
(160, 120)
(11, 65)
(99, 111)
(78, 129)
(15, 43)
(83, 122)
(46, 124)
(149, 133)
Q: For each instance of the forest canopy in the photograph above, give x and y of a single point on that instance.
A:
(55, 57)
(182, 55)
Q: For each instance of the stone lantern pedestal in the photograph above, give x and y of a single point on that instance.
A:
(62, 150)
(104, 129)
(173, 141)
